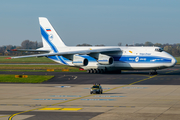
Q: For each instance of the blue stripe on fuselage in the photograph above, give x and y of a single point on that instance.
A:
(134, 59)
(142, 59)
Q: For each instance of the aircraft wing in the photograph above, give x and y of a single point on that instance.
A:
(81, 52)
(30, 50)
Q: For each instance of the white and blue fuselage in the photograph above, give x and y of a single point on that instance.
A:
(128, 58)
(100, 59)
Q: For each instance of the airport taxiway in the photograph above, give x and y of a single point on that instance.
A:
(127, 96)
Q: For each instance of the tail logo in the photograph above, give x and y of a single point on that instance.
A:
(50, 37)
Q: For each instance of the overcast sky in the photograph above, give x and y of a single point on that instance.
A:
(94, 22)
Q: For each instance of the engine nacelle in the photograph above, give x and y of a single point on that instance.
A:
(79, 61)
(105, 59)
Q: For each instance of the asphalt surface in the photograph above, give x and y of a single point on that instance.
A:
(55, 115)
(170, 77)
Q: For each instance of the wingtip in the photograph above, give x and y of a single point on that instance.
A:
(8, 58)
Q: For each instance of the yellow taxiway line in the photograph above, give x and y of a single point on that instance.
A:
(64, 109)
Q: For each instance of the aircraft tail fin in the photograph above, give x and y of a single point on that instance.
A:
(50, 38)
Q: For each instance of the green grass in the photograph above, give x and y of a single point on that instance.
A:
(37, 68)
(70, 70)
(29, 79)
(33, 68)
(26, 60)
(178, 60)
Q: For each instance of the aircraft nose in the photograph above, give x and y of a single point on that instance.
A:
(174, 61)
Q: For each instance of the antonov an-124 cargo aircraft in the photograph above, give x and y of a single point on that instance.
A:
(100, 59)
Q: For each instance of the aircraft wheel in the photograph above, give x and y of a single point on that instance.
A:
(105, 70)
(102, 71)
(118, 72)
(91, 71)
(99, 71)
(95, 71)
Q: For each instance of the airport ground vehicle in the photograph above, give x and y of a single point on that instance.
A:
(96, 89)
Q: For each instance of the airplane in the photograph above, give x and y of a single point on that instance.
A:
(96, 59)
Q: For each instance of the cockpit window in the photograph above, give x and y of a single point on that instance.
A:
(159, 49)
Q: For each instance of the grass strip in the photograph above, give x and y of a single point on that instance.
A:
(178, 60)
(41, 60)
(29, 79)
(38, 68)
(34, 67)
(71, 70)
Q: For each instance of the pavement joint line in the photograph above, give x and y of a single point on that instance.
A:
(10, 118)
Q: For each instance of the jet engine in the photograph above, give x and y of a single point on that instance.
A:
(79, 61)
(102, 58)
(105, 59)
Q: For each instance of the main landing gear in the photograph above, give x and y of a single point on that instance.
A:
(153, 72)
(96, 71)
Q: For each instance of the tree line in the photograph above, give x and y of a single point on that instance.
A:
(173, 49)
(26, 44)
